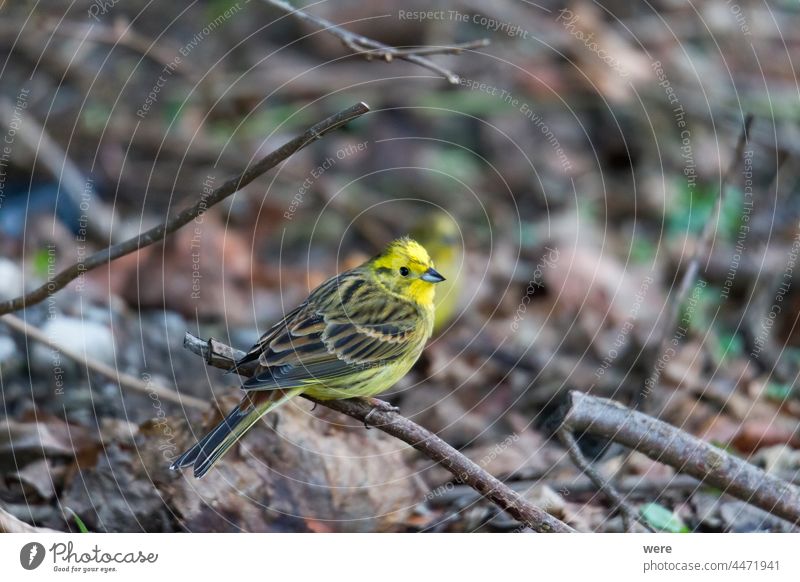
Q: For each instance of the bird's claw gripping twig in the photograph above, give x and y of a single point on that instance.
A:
(378, 405)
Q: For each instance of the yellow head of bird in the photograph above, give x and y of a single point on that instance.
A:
(405, 269)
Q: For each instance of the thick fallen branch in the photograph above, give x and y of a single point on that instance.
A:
(157, 233)
(222, 356)
(687, 454)
(372, 49)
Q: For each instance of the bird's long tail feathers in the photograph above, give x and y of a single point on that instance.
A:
(216, 443)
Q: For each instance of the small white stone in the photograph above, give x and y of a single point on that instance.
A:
(93, 339)
(8, 352)
(10, 280)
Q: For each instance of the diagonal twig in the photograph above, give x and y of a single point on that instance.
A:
(628, 513)
(370, 49)
(223, 356)
(691, 272)
(121, 33)
(70, 179)
(157, 233)
(124, 380)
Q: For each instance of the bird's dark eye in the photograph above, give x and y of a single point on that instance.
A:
(404, 271)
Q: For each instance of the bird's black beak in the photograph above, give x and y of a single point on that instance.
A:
(432, 276)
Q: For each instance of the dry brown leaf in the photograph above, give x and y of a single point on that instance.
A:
(202, 269)
(310, 474)
(757, 434)
(41, 477)
(21, 442)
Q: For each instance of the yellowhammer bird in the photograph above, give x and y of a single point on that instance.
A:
(356, 335)
(440, 235)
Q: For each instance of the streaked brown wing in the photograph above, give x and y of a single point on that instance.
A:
(344, 325)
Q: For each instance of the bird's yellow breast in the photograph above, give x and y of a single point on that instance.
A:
(370, 381)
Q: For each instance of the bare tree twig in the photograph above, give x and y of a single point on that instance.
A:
(222, 356)
(61, 167)
(687, 454)
(121, 378)
(763, 351)
(388, 53)
(369, 48)
(628, 513)
(120, 33)
(692, 269)
(157, 233)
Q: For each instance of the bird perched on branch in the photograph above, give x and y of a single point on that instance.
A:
(356, 335)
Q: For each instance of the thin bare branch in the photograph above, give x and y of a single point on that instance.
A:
(70, 179)
(124, 380)
(222, 356)
(157, 233)
(120, 33)
(687, 454)
(372, 49)
(628, 513)
(693, 268)
(400, 52)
